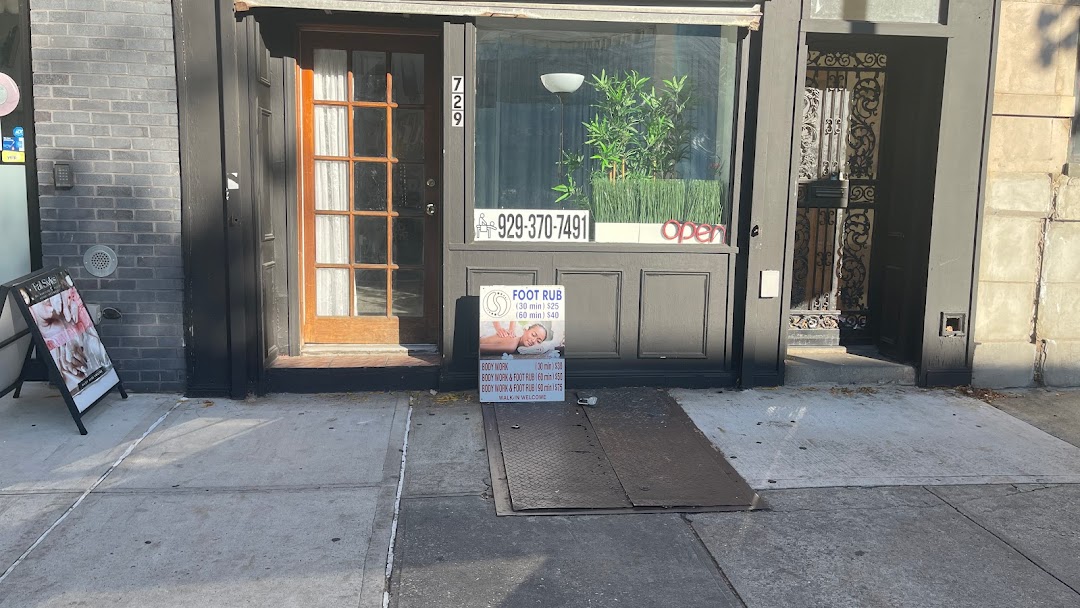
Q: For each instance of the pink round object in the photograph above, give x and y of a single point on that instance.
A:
(9, 95)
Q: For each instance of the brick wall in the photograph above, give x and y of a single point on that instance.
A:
(105, 100)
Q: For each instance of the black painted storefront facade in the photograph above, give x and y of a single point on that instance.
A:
(653, 314)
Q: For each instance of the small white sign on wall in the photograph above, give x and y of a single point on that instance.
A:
(770, 284)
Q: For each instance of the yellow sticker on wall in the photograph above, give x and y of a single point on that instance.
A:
(14, 157)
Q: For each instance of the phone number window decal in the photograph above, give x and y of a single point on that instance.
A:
(570, 226)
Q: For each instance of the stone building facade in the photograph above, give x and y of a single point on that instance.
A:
(1026, 328)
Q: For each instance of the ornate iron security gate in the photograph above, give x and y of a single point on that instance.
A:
(837, 192)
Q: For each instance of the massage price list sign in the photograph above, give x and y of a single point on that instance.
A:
(522, 343)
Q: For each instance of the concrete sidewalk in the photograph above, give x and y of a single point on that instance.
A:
(283, 501)
(910, 537)
(877, 497)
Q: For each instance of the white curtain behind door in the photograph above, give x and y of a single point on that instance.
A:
(332, 285)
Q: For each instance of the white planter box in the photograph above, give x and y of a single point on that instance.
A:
(613, 232)
(652, 233)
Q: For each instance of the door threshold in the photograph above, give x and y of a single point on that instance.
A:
(352, 373)
(368, 349)
(358, 361)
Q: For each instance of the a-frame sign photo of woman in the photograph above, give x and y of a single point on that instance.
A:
(54, 316)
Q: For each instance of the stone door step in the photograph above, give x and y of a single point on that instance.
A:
(844, 365)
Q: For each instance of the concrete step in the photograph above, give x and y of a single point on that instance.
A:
(842, 365)
(370, 349)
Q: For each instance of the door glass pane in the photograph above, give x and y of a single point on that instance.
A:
(331, 239)
(370, 192)
(331, 185)
(331, 131)
(332, 292)
(371, 293)
(409, 134)
(408, 186)
(331, 74)
(370, 240)
(369, 76)
(408, 71)
(408, 293)
(409, 241)
(369, 131)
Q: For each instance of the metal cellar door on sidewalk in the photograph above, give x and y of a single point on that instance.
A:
(370, 236)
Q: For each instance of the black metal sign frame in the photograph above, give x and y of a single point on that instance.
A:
(13, 341)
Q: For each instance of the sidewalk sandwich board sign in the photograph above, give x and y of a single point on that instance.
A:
(60, 326)
(522, 343)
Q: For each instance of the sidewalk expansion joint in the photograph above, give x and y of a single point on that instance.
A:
(242, 489)
(448, 495)
(374, 583)
(1015, 491)
(39, 492)
(849, 508)
(93, 486)
(1002, 539)
(397, 510)
(701, 548)
(916, 481)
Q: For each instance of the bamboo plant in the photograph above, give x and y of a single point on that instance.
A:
(637, 137)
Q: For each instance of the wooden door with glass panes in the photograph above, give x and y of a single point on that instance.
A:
(371, 133)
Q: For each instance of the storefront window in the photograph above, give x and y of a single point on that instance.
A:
(603, 132)
(16, 118)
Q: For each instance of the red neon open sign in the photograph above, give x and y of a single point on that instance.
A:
(674, 230)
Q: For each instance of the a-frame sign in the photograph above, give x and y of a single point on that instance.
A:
(43, 311)
(16, 343)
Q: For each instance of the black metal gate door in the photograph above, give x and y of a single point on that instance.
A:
(837, 194)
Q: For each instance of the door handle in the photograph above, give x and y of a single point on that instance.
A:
(430, 209)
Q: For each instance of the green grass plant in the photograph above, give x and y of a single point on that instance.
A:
(613, 201)
(660, 200)
(704, 202)
(655, 201)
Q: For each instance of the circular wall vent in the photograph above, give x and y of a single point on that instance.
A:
(100, 261)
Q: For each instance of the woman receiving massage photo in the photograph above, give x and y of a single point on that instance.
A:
(536, 339)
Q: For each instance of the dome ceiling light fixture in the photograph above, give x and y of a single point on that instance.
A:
(562, 82)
